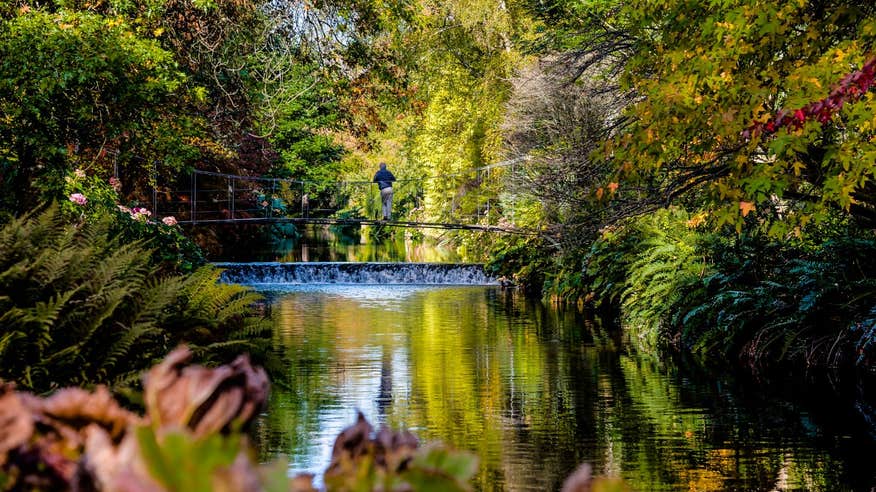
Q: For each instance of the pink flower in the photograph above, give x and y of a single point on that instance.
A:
(169, 220)
(78, 199)
(79, 173)
(115, 183)
(124, 209)
(140, 213)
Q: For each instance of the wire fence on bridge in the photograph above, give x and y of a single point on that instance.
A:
(468, 197)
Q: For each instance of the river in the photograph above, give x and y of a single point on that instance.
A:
(534, 390)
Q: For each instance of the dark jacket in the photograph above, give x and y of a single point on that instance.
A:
(384, 179)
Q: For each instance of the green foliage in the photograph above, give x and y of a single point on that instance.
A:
(757, 114)
(430, 95)
(297, 129)
(521, 260)
(74, 303)
(78, 304)
(172, 251)
(651, 267)
(99, 196)
(769, 301)
(458, 131)
(438, 468)
(182, 462)
(72, 84)
(568, 284)
(707, 74)
(144, 87)
(748, 296)
(206, 307)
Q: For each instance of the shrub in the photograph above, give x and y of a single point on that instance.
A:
(651, 267)
(520, 259)
(89, 197)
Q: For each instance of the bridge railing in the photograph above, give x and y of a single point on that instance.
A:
(470, 196)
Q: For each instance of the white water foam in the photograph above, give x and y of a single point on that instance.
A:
(355, 273)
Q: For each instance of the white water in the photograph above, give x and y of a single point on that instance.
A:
(354, 273)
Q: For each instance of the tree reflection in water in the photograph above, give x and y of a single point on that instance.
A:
(534, 391)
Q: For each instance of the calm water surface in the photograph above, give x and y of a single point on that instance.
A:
(322, 243)
(535, 391)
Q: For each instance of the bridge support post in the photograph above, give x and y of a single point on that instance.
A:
(194, 197)
(154, 183)
(270, 199)
(514, 194)
(305, 202)
(231, 187)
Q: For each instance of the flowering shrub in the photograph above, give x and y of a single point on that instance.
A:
(78, 199)
(140, 213)
(88, 197)
(172, 249)
(92, 198)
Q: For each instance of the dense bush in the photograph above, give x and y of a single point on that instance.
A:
(519, 260)
(651, 267)
(74, 85)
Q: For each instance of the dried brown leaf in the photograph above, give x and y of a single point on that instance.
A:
(16, 423)
(350, 446)
(77, 408)
(220, 399)
(303, 482)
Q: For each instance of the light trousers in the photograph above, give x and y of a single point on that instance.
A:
(386, 199)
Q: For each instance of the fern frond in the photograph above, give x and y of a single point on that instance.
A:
(121, 347)
(8, 340)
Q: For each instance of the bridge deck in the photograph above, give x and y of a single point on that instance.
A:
(383, 223)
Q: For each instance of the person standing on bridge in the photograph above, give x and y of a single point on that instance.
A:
(384, 180)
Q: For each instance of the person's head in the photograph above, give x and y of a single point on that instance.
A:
(382, 165)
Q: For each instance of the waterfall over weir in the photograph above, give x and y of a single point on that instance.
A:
(355, 273)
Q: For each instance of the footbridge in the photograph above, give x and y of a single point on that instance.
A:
(477, 199)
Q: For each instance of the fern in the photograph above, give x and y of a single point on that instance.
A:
(122, 347)
(213, 318)
(782, 302)
(76, 302)
(746, 295)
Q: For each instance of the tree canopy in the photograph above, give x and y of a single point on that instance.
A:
(763, 106)
(75, 86)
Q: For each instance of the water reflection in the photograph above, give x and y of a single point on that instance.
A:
(534, 392)
(333, 243)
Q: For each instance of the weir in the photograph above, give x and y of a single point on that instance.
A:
(355, 273)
